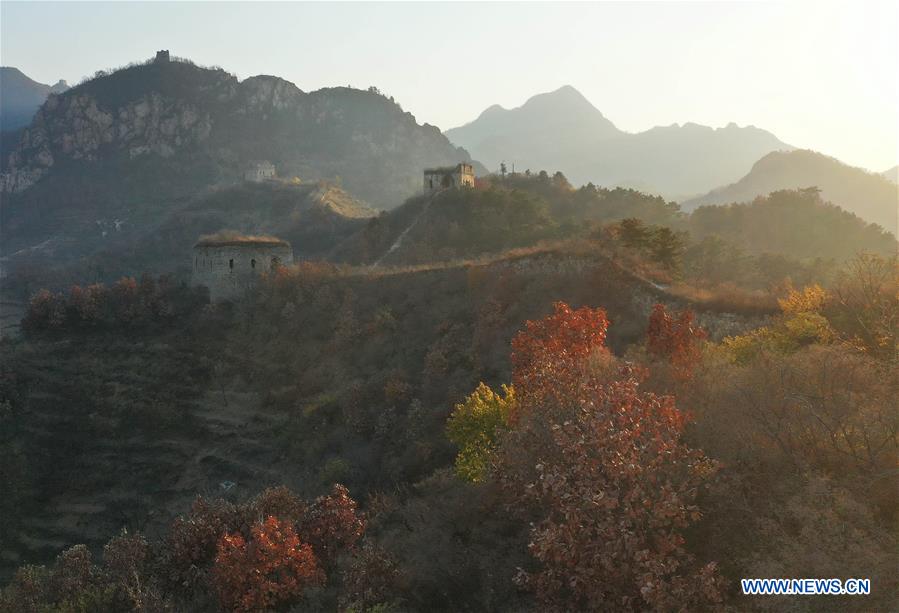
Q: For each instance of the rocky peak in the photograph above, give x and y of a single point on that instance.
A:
(265, 93)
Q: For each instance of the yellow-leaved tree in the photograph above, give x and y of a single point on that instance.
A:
(474, 427)
(801, 323)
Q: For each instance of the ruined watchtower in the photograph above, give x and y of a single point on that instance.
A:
(260, 171)
(460, 175)
(162, 57)
(229, 263)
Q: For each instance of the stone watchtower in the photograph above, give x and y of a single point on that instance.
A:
(447, 177)
(230, 264)
(162, 57)
(260, 171)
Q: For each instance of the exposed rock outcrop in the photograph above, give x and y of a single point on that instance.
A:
(172, 109)
(77, 128)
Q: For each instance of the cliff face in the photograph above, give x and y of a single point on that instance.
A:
(76, 127)
(177, 110)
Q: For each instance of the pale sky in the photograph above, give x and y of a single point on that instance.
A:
(819, 75)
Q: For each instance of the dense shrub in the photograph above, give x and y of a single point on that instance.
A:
(675, 339)
(261, 554)
(126, 303)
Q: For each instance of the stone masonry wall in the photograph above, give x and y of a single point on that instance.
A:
(232, 269)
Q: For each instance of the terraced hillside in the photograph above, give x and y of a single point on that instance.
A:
(328, 374)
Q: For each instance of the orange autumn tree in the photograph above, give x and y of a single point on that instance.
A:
(677, 339)
(599, 469)
(272, 569)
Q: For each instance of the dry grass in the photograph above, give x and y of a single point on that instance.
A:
(727, 297)
(232, 237)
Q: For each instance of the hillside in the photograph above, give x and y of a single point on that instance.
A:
(326, 375)
(313, 217)
(516, 211)
(870, 196)
(892, 174)
(561, 130)
(799, 223)
(522, 211)
(336, 373)
(110, 160)
(121, 413)
(206, 122)
(21, 96)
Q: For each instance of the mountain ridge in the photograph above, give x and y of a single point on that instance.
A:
(562, 130)
(870, 196)
(169, 108)
(134, 146)
(892, 174)
(21, 96)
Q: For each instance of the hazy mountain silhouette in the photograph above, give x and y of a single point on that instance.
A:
(870, 196)
(563, 131)
(20, 97)
(892, 174)
(549, 126)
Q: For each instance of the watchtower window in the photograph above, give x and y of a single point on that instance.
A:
(231, 264)
(253, 263)
(276, 261)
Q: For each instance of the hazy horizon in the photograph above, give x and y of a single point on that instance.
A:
(822, 76)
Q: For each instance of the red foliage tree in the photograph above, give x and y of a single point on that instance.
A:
(192, 541)
(601, 471)
(125, 300)
(278, 501)
(126, 559)
(73, 572)
(273, 569)
(332, 524)
(45, 310)
(87, 302)
(676, 339)
(550, 354)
